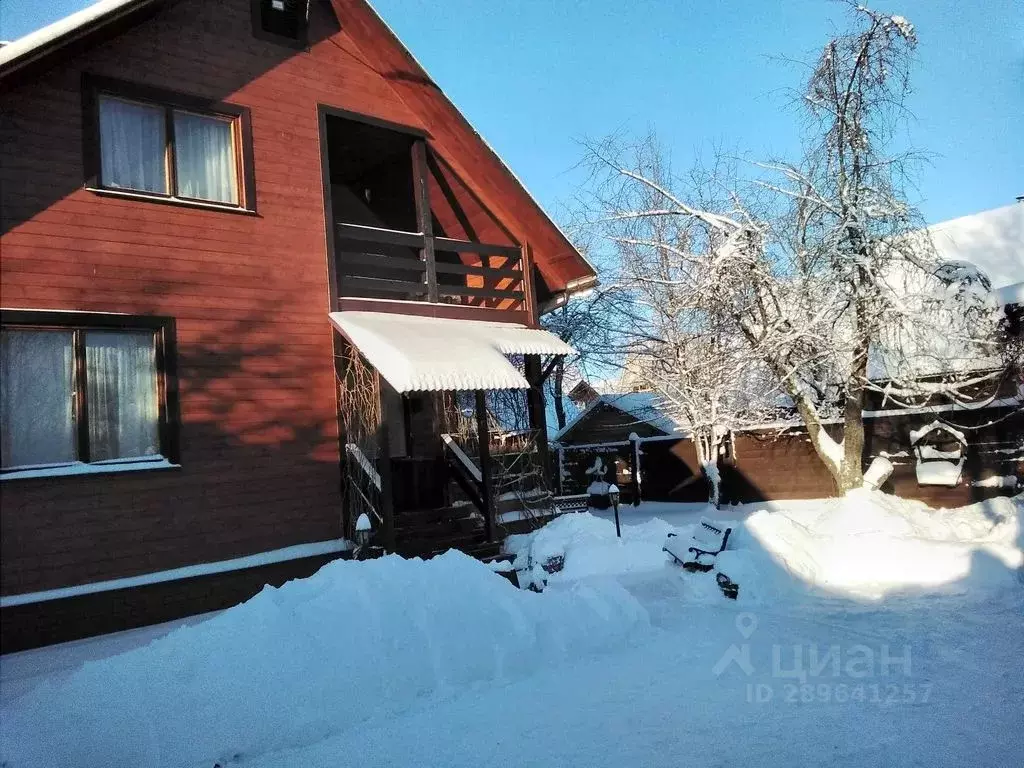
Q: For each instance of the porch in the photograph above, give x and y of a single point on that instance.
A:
(443, 429)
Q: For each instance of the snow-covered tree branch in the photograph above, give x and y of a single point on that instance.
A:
(814, 280)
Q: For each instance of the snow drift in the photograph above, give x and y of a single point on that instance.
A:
(865, 545)
(869, 544)
(355, 642)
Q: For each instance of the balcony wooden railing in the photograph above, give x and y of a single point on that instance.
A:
(391, 264)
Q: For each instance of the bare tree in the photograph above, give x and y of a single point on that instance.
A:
(817, 273)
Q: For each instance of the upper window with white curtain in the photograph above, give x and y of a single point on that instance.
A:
(170, 146)
(83, 393)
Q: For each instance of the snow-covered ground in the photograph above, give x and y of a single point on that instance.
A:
(868, 631)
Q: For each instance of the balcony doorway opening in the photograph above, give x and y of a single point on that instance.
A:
(405, 227)
(371, 175)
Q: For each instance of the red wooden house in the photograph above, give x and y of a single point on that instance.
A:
(251, 255)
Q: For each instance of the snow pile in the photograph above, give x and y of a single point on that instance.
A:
(868, 544)
(590, 547)
(865, 546)
(358, 641)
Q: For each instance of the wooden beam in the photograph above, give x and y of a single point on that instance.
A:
(426, 309)
(479, 270)
(512, 252)
(512, 294)
(387, 491)
(378, 235)
(549, 368)
(423, 217)
(483, 438)
(536, 411)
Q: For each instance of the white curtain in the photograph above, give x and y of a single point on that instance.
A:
(132, 139)
(36, 397)
(205, 158)
(122, 383)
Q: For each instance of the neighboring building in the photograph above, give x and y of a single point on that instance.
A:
(188, 189)
(614, 417)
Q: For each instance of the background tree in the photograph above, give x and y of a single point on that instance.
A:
(817, 273)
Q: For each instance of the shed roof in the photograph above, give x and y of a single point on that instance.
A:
(416, 354)
(646, 407)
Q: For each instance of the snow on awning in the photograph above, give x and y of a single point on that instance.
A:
(416, 353)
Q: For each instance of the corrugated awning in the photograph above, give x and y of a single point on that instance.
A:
(416, 354)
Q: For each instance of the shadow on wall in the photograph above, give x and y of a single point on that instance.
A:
(258, 452)
(30, 140)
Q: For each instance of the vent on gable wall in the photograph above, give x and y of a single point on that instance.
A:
(281, 20)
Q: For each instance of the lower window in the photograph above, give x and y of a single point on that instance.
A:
(78, 388)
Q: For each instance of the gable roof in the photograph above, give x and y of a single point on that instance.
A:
(645, 407)
(563, 267)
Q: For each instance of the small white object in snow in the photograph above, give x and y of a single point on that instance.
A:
(1005, 481)
(878, 472)
(363, 523)
(939, 472)
(500, 566)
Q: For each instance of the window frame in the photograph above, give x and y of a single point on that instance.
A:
(94, 87)
(164, 334)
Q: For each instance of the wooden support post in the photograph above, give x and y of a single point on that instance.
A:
(634, 468)
(387, 489)
(535, 409)
(423, 217)
(483, 438)
(559, 470)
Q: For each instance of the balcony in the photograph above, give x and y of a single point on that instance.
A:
(386, 264)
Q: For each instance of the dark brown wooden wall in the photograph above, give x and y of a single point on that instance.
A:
(58, 621)
(769, 466)
(259, 448)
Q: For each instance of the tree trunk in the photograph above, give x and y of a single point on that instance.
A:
(851, 473)
(558, 396)
(707, 457)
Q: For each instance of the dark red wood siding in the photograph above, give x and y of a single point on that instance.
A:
(249, 293)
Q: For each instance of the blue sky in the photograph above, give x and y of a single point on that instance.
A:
(535, 76)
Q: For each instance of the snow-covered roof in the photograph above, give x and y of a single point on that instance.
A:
(917, 434)
(431, 354)
(645, 407)
(991, 240)
(66, 29)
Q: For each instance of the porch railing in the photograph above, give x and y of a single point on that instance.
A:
(472, 479)
(363, 488)
(392, 264)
